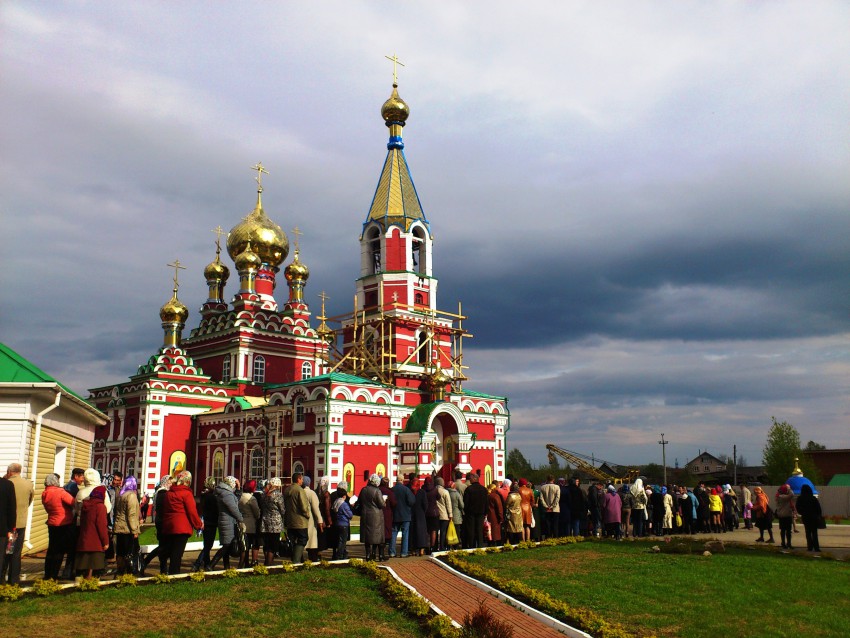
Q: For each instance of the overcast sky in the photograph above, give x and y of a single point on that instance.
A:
(644, 207)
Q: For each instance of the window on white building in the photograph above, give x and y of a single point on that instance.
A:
(299, 410)
(257, 470)
(306, 370)
(131, 467)
(259, 375)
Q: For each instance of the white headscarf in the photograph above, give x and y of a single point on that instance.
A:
(637, 488)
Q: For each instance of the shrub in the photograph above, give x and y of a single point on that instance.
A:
(9, 593)
(261, 570)
(126, 580)
(162, 579)
(48, 587)
(198, 577)
(230, 573)
(482, 623)
(89, 584)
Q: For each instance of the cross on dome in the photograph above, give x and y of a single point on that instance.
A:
(394, 59)
(259, 178)
(177, 267)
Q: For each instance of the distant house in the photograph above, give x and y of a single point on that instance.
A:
(45, 427)
(706, 464)
(830, 462)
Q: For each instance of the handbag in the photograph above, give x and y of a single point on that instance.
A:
(678, 520)
(532, 520)
(451, 534)
(821, 522)
(237, 545)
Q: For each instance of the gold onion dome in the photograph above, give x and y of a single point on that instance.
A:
(216, 270)
(439, 379)
(247, 258)
(395, 109)
(174, 311)
(267, 239)
(296, 270)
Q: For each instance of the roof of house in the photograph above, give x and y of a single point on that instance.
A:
(842, 480)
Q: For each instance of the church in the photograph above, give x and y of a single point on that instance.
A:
(261, 388)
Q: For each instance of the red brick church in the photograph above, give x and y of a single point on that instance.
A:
(263, 389)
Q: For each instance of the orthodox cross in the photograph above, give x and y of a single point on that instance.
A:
(259, 178)
(219, 231)
(395, 62)
(177, 266)
(297, 232)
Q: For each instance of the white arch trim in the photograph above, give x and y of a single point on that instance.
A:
(452, 410)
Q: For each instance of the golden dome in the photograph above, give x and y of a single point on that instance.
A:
(216, 270)
(296, 270)
(395, 109)
(269, 242)
(439, 378)
(247, 258)
(173, 311)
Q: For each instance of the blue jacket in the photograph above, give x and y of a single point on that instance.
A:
(343, 512)
(404, 500)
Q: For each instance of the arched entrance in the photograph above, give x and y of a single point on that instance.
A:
(435, 439)
(445, 456)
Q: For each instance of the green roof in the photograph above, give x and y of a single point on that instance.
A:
(481, 395)
(418, 419)
(842, 480)
(15, 369)
(339, 377)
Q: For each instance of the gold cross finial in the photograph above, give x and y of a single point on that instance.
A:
(177, 266)
(297, 232)
(219, 231)
(394, 59)
(259, 178)
(323, 296)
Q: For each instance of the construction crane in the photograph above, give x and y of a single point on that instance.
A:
(578, 461)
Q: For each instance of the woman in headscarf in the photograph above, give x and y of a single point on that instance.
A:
(371, 503)
(527, 496)
(785, 514)
(612, 512)
(762, 514)
(249, 507)
(59, 505)
(389, 508)
(715, 506)
(495, 514)
(513, 509)
(656, 507)
(126, 527)
(229, 517)
(158, 504)
(667, 506)
(638, 508)
(808, 506)
(93, 538)
(315, 524)
(342, 516)
(209, 514)
(432, 514)
(180, 519)
(730, 508)
(271, 505)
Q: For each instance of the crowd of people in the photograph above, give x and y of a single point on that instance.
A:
(93, 520)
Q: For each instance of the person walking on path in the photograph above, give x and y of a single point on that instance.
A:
(23, 498)
(762, 514)
(59, 506)
(370, 501)
(746, 497)
(402, 515)
(93, 539)
(179, 519)
(296, 516)
(229, 517)
(810, 511)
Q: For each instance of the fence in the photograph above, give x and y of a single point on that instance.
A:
(834, 500)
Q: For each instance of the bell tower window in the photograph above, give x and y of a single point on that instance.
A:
(418, 251)
(424, 348)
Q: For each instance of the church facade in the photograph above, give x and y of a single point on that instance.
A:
(263, 389)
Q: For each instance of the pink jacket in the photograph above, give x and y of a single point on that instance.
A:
(58, 504)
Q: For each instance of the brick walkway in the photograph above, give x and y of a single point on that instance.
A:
(455, 597)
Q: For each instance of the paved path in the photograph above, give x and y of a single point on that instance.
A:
(455, 597)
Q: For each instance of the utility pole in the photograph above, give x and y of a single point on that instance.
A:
(663, 445)
(735, 464)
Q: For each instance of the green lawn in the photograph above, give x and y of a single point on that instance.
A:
(743, 592)
(316, 602)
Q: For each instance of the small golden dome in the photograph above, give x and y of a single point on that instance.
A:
(216, 270)
(296, 270)
(395, 109)
(247, 259)
(439, 379)
(269, 242)
(173, 311)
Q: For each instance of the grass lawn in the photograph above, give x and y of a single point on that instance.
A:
(318, 602)
(744, 592)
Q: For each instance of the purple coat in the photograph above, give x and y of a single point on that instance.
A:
(611, 508)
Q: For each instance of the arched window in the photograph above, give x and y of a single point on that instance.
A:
(298, 466)
(299, 410)
(99, 466)
(218, 465)
(381, 470)
(418, 254)
(418, 299)
(259, 375)
(257, 470)
(131, 467)
(306, 370)
(225, 370)
(116, 466)
(424, 348)
(375, 251)
(488, 475)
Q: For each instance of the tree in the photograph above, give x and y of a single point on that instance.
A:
(780, 450)
(811, 446)
(516, 464)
